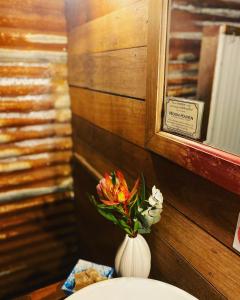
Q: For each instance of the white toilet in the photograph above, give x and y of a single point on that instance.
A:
(130, 289)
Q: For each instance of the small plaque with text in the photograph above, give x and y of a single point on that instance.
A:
(183, 116)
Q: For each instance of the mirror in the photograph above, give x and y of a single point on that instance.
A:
(202, 84)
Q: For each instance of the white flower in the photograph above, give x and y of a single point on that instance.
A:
(151, 215)
(151, 211)
(156, 199)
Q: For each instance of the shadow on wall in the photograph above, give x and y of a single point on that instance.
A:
(99, 237)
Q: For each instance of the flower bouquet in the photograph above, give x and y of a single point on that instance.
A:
(134, 211)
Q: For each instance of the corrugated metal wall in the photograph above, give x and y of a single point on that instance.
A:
(37, 223)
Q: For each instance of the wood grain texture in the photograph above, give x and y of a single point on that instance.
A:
(155, 56)
(191, 280)
(52, 291)
(192, 245)
(203, 252)
(197, 198)
(121, 72)
(119, 115)
(169, 266)
(215, 165)
(117, 30)
(80, 12)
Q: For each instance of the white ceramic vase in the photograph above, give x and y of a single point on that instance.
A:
(133, 258)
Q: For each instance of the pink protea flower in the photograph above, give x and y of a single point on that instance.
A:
(113, 189)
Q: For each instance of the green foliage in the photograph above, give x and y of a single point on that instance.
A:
(128, 216)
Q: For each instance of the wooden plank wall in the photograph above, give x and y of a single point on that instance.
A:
(188, 17)
(192, 245)
(37, 224)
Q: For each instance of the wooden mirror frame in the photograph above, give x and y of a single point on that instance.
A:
(218, 166)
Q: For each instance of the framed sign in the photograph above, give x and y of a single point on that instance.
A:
(183, 116)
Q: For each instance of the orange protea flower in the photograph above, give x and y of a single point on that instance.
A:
(113, 189)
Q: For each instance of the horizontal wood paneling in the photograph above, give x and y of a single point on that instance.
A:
(168, 263)
(210, 258)
(121, 72)
(164, 258)
(208, 206)
(119, 115)
(192, 245)
(117, 30)
(199, 200)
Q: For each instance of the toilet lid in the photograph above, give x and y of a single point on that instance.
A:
(130, 289)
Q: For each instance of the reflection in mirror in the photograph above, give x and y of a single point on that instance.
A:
(203, 72)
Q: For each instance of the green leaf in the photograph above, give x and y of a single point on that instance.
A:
(125, 227)
(123, 224)
(128, 231)
(92, 199)
(109, 216)
(144, 230)
(136, 226)
(120, 209)
(132, 204)
(143, 189)
(143, 226)
(113, 178)
(104, 206)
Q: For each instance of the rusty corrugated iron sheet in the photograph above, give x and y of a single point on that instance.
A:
(37, 221)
